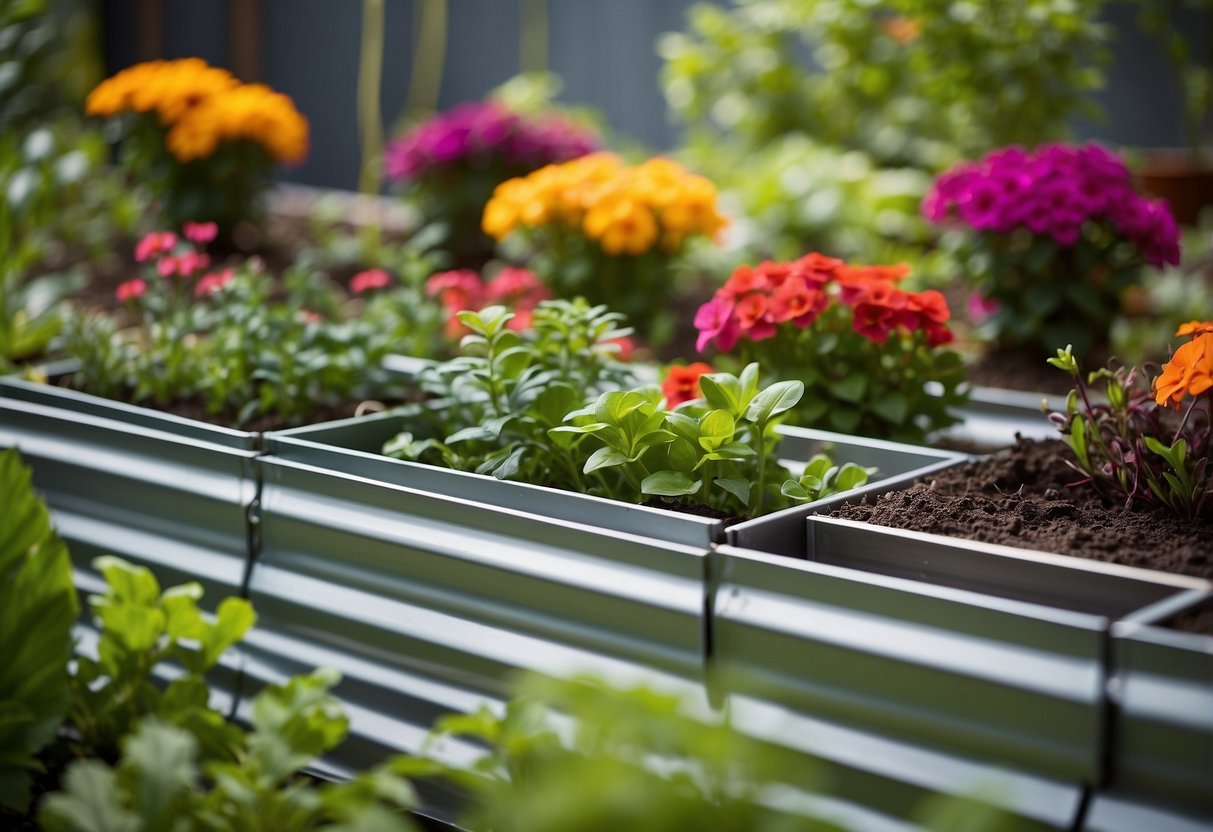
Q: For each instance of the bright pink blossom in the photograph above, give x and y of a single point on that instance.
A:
(131, 289)
(213, 282)
(364, 281)
(715, 320)
(200, 232)
(155, 243)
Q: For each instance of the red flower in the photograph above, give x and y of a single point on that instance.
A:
(157, 242)
(818, 269)
(682, 383)
(879, 307)
(370, 279)
(517, 287)
(627, 348)
(456, 290)
(131, 289)
(743, 280)
(213, 282)
(200, 232)
(798, 301)
(751, 313)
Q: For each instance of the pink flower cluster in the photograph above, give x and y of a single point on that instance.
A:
(1052, 192)
(485, 132)
(173, 260)
(518, 289)
(756, 301)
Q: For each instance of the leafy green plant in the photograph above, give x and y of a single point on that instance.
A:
(164, 778)
(508, 389)
(141, 629)
(37, 610)
(907, 81)
(224, 339)
(1127, 447)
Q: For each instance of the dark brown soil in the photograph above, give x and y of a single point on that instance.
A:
(1022, 497)
(692, 508)
(1199, 620)
(1021, 370)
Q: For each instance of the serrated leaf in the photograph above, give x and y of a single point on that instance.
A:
(164, 758)
(89, 802)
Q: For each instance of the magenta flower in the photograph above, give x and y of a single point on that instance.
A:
(715, 320)
(200, 232)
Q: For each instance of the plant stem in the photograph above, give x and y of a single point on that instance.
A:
(756, 499)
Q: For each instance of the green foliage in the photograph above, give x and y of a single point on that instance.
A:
(37, 610)
(921, 82)
(631, 759)
(48, 59)
(508, 389)
(142, 628)
(1126, 446)
(165, 780)
(242, 351)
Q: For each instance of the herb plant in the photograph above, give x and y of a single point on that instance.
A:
(37, 611)
(221, 338)
(1130, 446)
(867, 352)
(1053, 238)
(509, 388)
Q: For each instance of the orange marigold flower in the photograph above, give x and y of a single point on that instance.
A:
(682, 383)
(1188, 373)
(1194, 328)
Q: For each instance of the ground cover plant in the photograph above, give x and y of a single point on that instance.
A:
(551, 406)
(866, 351)
(234, 345)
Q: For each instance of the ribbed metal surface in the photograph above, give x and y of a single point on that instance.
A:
(1162, 762)
(175, 503)
(1001, 681)
(353, 445)
(429, 604)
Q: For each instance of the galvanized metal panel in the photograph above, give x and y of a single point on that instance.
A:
(992, 417)
(353, 445)
(1001, 681)
(869, 781)
(173, 503)
(429, 604)
(1162, 757)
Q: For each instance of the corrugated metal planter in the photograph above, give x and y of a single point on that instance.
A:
(431, 588)
(993, 417)
(992, 658)
(169, 493)
(1162, 724)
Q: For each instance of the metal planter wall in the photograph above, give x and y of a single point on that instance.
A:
(430, 589)
(1162, 760)
(994, 657)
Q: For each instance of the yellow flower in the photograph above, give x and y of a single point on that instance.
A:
(252, 112)
(622, 226)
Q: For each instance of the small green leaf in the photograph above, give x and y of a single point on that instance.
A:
(739, 487)
(851, 388)
(670, 484)
(778, 398)
(604, 458)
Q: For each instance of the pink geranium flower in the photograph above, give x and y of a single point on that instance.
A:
(370, 279)
(155, 243)
(131, 289)
(200, 232)
(213, 282)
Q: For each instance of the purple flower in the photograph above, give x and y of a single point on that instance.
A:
(1054, 192)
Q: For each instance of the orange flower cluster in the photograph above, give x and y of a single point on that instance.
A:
(624, 209)
(681, 384)
(202, 106)
(1190, 370)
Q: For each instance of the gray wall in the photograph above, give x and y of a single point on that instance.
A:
(604, 49)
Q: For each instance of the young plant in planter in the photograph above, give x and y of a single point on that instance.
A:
(546, 407)
(204, 142)
(220, 344)
(1051, 240)
(866, 350)
(609, 231)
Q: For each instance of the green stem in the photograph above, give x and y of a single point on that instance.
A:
(370, 77)
(756, 499)
(425, 80)
(534, 45)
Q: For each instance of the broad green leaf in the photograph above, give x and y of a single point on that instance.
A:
(163, 759)
(739, 487)
(851, 388)
(778, 398)
(723, 392)
(604, 458)
(850, 476)
(670, 484)
(715, 429)
(793, 490)
(182, 618)
(233, 619)
(892, 407)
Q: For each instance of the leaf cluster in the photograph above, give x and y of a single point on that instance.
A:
(1128, 447)
(243, 351)
(37, 610)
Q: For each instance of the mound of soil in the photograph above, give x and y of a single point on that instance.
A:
(1023, 497)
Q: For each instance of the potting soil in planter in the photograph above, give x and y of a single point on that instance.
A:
(1023, 497)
